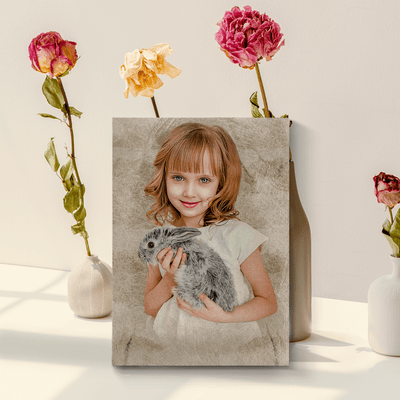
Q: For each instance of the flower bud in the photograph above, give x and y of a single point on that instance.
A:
(50, 53)
(387, 189)
(246, 36)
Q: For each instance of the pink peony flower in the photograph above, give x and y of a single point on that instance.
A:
(246, 36)
(50, 53)
(387, 189)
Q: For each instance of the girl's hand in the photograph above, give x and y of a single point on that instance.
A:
(212, 311)
(170, 263)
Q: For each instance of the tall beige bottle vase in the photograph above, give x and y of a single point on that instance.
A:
(90, 288)
(300, 265)
(384, 312)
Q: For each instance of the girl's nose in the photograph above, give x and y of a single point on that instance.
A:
(189, 190)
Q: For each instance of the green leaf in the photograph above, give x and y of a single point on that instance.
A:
(72, 200)
(78, 228)
(70, 183)
(395, 228)
(80, 214)
(49, 116)
(51, 156)
(255, 113)
(254, 99)
(395, 247)
(66, 170)
(75, 112)
(72, 110)
(386, 227)
(83, 191)
(392, 234)
(52, 92)
(65, 73)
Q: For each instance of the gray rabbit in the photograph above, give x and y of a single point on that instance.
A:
(203, 272)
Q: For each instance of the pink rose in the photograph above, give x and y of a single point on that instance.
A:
(246, 36)
(387, 189)
(51, 54)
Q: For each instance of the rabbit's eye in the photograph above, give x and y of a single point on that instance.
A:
(150, 245)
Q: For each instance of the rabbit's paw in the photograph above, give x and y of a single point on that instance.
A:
(196, 303)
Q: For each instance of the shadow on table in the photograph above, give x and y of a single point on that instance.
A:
(302, 351)
(320, 340)
(365, 374)
(39, 294)
(57, 349)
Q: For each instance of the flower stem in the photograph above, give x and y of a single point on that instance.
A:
(153, 100)
(72, 155)
(391, 215)
(264, 97)
(260, 82)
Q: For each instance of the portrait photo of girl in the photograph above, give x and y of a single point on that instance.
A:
(219, 297)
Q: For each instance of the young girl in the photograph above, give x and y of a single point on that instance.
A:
(196, 184)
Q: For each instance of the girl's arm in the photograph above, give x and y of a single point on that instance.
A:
(262, 305)
(159, 289)
(264, 302)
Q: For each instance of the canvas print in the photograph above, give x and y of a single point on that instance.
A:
(200, 241)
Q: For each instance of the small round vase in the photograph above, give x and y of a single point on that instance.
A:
(384, 312)
(90, 288)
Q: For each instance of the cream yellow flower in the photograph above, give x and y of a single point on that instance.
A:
(141, 68)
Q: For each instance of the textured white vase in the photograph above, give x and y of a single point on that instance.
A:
(90, 288)
(384, 312)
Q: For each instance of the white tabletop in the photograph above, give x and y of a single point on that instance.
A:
(47, 353)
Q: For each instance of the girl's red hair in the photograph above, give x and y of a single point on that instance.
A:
(183, 150)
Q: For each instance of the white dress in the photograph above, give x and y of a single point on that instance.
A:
(234, 241)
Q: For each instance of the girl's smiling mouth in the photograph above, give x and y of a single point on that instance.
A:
(189, 204)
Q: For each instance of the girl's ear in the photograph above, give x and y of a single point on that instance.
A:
(184, 233)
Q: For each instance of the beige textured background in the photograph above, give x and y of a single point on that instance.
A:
(263, 203)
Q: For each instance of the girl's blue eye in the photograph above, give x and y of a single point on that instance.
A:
(177, 178)
(205, 180)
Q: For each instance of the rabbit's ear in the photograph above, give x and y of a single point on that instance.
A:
(184, 233)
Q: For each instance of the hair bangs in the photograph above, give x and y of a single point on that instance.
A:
(188, 155)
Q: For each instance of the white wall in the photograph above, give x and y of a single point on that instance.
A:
(337, 78)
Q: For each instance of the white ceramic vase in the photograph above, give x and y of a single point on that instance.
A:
(384, 312)
(90, 288)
